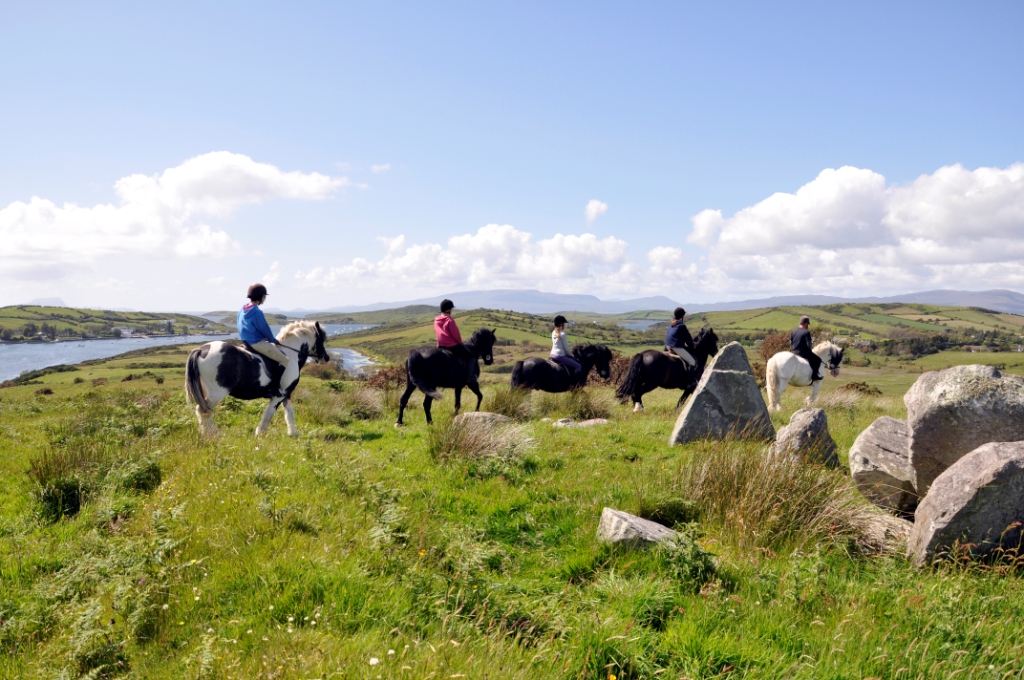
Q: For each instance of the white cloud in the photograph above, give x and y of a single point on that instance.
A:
(847, 231)
(216, 280)
(154, 215)
(595, 209)
(273, 275)
(380, 169)
(495, 256)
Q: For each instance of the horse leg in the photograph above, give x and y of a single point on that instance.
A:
(289, 418)
(268, 413)
(475, 389)
(683, 397)
(206, 425)
(815, 388)
(458, 399)
(404, 401)
(427, 401)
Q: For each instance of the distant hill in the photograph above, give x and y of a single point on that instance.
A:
(48, 302)
(538, 302)
(26, 322)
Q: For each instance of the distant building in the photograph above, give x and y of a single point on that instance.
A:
(126, 332)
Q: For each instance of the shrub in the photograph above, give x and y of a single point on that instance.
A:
(619, 366)
(99, 381)
(667, 510)
(577, 404)
(387, 378)
(861, 387)
(330, 370)
(44, 390)
(62, 479)
(465, 439)
(363, 403)
(770, 501)
(760, 369)
(336, 385)
(773, 344)
(509, 401)
(79, 380)
(138, 475)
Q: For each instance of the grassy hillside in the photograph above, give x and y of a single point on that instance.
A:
(359, 551)
(27, 321)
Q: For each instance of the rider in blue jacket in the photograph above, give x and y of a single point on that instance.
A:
(254, 330)
(678, 340)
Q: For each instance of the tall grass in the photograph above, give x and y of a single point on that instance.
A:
(577, 404)
(512, 402)
(767, 501)
(473, 440)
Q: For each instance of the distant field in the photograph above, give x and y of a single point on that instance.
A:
(72, 322)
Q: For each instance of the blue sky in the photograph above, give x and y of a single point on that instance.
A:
(514, 116)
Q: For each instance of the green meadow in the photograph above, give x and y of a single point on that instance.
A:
(132, 548)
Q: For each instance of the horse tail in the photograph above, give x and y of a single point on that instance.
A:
(194, 389)
(632, 380)
(517, 375)
(411, 377)
(771, 382)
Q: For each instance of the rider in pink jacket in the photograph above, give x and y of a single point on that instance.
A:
(447, 332)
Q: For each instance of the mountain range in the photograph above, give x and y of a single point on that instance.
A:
(537, 302)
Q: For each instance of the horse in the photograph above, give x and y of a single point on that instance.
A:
(545, 375)
(786, 368)
(658, 368)
(429, 368)
(217, 369)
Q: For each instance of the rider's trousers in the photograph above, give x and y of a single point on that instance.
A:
(270, 351)
(684, 355)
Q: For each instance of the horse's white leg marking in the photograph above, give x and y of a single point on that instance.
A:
(638, 408)
(268, 413)
(289, 418)
(815, 388)
(207, 428)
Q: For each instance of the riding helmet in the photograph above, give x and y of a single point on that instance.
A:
(447, 305)
(679, 314)
(257, 291)
(560, 320)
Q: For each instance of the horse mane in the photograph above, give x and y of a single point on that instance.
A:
(297, 329)
(580, 349)
(480, 332)
(827, 346)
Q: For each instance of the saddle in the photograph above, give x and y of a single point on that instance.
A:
(275, 370)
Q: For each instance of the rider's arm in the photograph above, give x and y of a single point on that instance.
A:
(262, 327)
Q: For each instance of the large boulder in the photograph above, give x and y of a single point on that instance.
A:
(726, 403)
(953, 412)
(880, 465)
(806, 438)
(976, 501)
(623, 528)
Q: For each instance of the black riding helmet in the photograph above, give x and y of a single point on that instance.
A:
(257, 291)
(679, 314)
(560, 320)
(447, 305)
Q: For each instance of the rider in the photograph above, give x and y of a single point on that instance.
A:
(447, 332)
(253, 328)
(678, 340)
(560, 353)
(800, 342)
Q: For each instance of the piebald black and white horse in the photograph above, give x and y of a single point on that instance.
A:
(218, 369)
(536, 373)
(657, 368)
(429, 368)
(786, 368)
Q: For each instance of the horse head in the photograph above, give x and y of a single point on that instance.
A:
(482, 342)
(310, 336)
(707, 341)
(835, 359)
(320, 353)
(598, 356)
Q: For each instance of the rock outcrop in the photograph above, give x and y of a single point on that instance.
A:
(570, 423)
(976, 501)
(726, 403)
(807, 439)
(623, 528)
(483, 417)
(880, 465)
(953, 412)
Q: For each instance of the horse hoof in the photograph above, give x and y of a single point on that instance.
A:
(638, 408)
(399, 426)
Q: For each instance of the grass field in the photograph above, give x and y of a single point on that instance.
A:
(360, 551)
(97, 323)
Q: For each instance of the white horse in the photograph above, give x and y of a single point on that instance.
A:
(786, 368)
(218, 369)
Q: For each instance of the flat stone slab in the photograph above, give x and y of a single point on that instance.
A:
(953, 412)
(975, 502)
(807, 439)
(726, 403)
(880, 465)
(482, 417)
(622, 528)
(569, 422)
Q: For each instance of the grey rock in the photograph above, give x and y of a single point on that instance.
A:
(726, 403)
(953, 412)
(807, 438)
(569, 422)
(483, 417)
(975, 501)
(626, 529)
(732, 357)
(884, 534)
(880, 465)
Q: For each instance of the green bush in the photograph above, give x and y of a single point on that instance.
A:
(509, 401)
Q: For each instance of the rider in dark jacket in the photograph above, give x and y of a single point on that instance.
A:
(678, 340)
(800, 342)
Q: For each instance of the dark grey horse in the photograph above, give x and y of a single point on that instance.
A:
(654, 368)
(545, 375)
(429, 368)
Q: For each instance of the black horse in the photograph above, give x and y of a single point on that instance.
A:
(545, 375)
(429, 368)
(655, 368)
